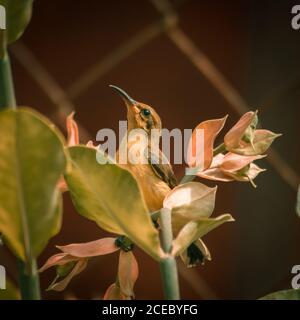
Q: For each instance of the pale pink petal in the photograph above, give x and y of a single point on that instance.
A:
(211, 129)
(61, 285)
(191, 197)
(127, 273)
(234, 162)
(91, 249)
(235, 134)
(215, 174)
(57, 260)
(72, 129)
(62, 185)
(261, 142)
(189, 201)
(217, 160)
(252, 173)
(114, 293)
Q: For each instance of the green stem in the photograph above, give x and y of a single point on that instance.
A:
(28, 275)
(155, 215)
(168, 266)
(29, 281)
(220, 149)
(192, 173)
(7, 93)
(187, 178)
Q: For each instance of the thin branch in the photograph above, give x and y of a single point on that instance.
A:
(208, 69)
(205, 66)
(47, 84)
(121, 53)
(115, 57)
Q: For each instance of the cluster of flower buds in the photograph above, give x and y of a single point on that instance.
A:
(232, 160)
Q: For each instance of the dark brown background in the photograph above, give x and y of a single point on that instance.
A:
(253, 46)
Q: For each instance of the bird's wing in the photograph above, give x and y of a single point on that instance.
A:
(162, 169)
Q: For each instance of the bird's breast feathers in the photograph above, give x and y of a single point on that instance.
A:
(153, 188)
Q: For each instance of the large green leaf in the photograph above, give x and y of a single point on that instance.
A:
(18, 14)
(110, 196)
(32, 160)
(283, 295)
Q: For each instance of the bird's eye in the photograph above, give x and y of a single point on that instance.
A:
(145, 112)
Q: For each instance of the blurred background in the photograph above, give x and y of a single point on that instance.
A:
(191, 60)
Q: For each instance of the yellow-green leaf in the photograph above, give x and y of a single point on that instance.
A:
(194, 230)
(32, 160)
(110, 196)
(291, 294)
(18, 15)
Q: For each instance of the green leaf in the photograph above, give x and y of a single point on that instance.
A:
(18, 15)
(291, 294)
(298, 202)
(194, 230)
(32, 160)
(110, 196)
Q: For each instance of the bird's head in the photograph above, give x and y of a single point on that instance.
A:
(139, 115)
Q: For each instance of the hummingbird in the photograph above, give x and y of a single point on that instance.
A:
(155, 178)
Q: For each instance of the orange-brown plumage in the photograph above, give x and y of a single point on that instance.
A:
(155, 178)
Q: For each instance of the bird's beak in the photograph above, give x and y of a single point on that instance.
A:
(130, 103)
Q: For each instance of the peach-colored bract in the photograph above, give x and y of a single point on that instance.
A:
(72, 140)
(244, 145)
(245, 140)
(128, 272)
(72, 130)
(75, 257)
(211, 129)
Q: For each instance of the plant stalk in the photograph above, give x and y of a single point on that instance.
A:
(220, 149)
(7, 92)
(29, 281)
(168, 266)
(28, 275)
(188, 178)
